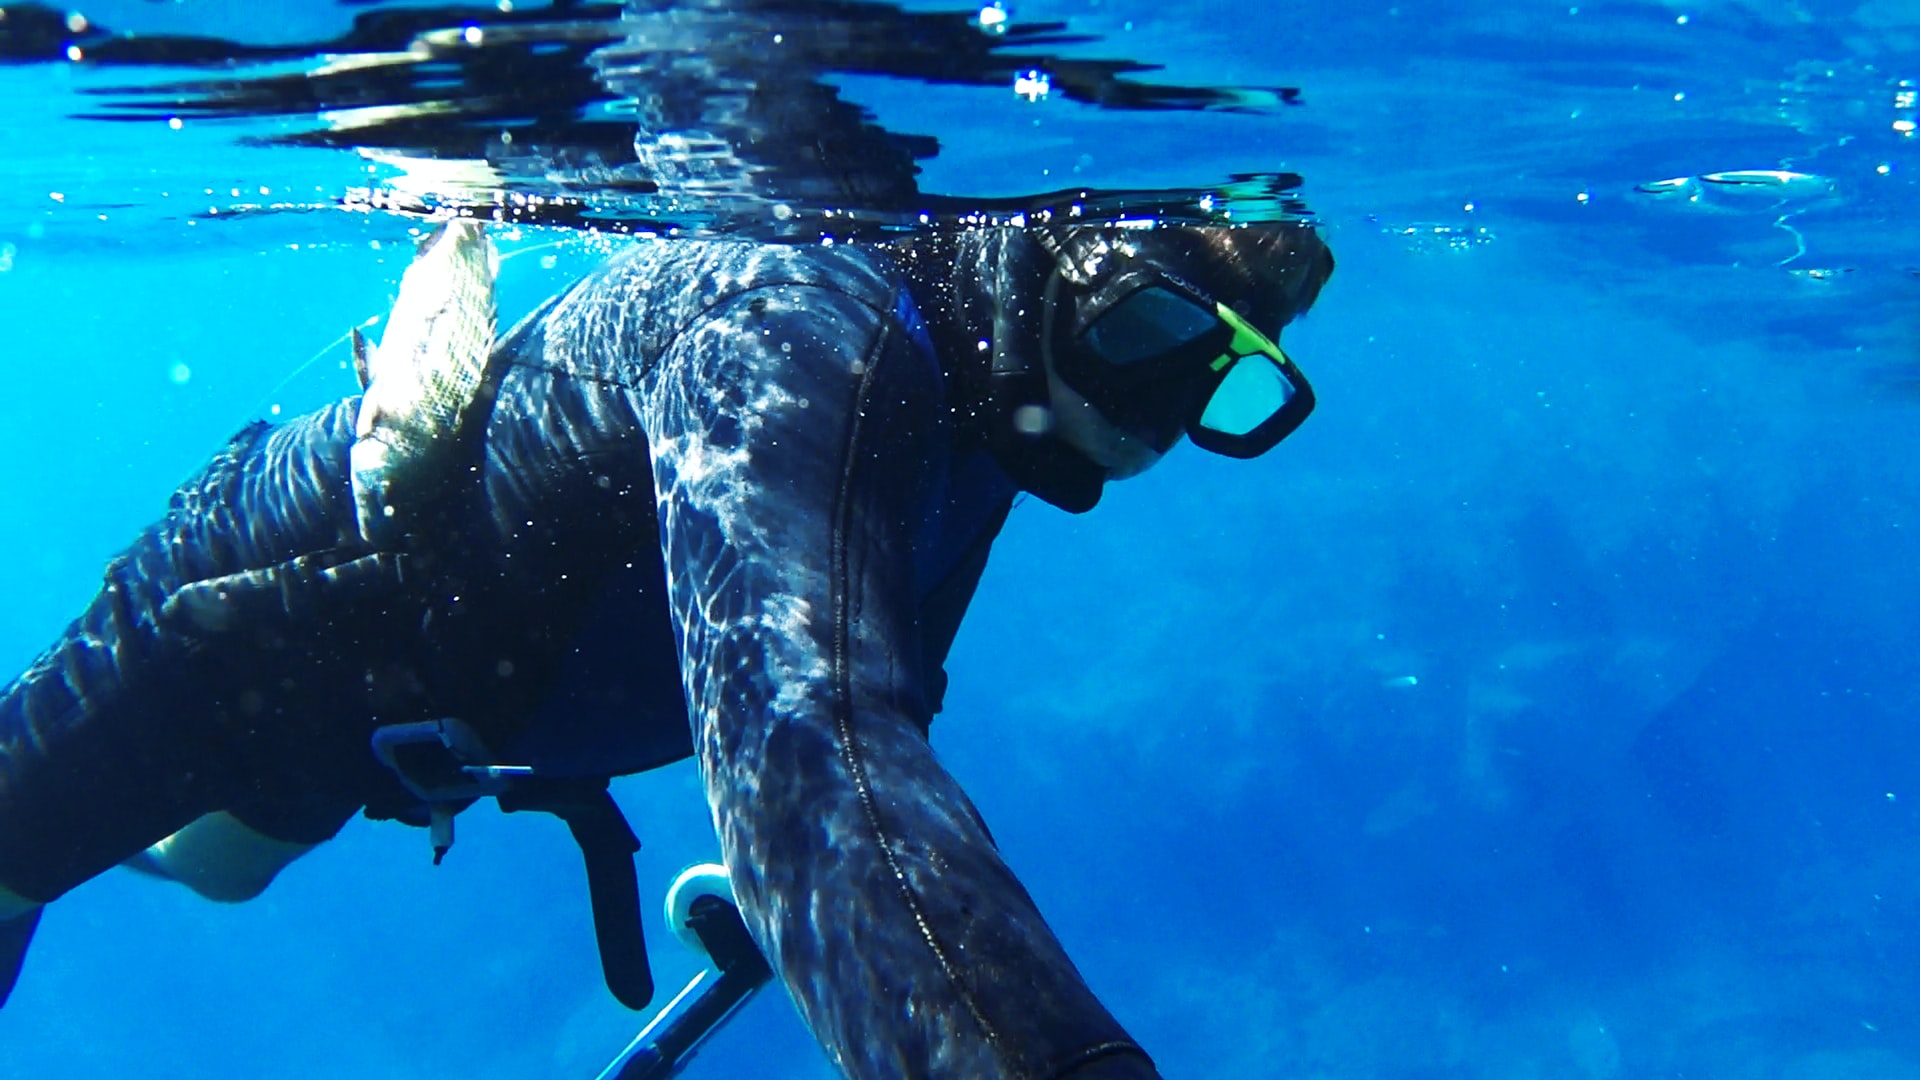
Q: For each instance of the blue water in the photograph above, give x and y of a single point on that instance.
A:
(1544, 708)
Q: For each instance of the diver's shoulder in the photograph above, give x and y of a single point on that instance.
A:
(715, 270)
(651, 293)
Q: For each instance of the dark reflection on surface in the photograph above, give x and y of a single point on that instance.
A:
(659, 112)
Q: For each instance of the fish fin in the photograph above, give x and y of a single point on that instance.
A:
(426, 242)
(362, 364)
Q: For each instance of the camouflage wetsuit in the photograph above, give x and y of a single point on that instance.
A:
(743, 451)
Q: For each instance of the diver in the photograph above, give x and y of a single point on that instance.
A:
(719, 498)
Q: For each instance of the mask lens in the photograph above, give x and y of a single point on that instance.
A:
(1157, 359)
(1254, 390)
(1260, 399)
(1150, 323)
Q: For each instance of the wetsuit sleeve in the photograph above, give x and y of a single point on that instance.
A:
(155, 706)
(791, 432)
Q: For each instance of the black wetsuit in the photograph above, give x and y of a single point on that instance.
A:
(730, 469)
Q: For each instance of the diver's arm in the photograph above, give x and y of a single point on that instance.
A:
(140, 719)
(791, 432)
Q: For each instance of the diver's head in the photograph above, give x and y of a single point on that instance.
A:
(1083, 353)
(1150, 333)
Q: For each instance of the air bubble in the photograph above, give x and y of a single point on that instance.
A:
(1032, 84)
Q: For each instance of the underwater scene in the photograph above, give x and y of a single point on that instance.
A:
(1544, 707)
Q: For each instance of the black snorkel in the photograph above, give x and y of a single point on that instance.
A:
(988, 286)
(1018, 422)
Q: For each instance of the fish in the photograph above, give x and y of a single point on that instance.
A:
(1777, 183)
(429, 384)
(1766, 187)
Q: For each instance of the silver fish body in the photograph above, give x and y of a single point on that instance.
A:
(428, 385)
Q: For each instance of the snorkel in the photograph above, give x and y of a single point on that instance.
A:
(981, 292)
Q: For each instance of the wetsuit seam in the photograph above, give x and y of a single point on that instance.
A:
(843, 692)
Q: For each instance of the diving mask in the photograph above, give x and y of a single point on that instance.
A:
(1158, 357)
